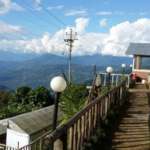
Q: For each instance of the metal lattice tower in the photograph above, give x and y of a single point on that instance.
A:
(69, 39)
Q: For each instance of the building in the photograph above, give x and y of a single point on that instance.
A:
(23, 129)
(141, 59)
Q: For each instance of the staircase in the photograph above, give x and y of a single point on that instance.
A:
(133, 132)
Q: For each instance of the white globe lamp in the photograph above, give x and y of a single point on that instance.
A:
(109, 69)
(131, 65)
(58, 84)
(143, 81)
(123, 65)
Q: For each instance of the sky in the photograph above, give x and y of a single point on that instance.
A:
(103, 26)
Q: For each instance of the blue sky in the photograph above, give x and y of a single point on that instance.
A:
(41, 21)
(34, 19)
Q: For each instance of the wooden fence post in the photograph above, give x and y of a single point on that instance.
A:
(61, 144)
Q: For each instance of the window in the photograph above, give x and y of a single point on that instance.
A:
(145, 63)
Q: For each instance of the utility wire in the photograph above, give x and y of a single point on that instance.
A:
(54, 16)
(31, 10)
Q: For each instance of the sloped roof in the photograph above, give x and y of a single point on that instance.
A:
(32, 122)
(3, 125)
(3, 129)
(139, 49)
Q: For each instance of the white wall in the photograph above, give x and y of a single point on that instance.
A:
(13, 137)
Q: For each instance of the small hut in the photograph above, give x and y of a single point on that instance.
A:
(141, 59)
(23, 129)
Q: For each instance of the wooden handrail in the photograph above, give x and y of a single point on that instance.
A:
(72, 134)
(5, 147)
(89, 98)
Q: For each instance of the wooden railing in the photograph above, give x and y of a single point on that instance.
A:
(4, 147)
(79, 128)
(92, 90)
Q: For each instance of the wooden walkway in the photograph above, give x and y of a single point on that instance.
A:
(133, 131)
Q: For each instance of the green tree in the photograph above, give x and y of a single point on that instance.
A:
(72, 100)
(22, 94)
(4, 98)
(23, 100)
(41, 96)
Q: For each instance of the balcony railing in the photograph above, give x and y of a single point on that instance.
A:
(115, 78)
(4, 147)
(71, 135)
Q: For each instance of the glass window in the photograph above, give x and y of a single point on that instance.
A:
(145, 63)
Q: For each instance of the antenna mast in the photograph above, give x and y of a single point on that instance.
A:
(69, 39)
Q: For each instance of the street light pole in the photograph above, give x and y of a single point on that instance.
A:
(98, 83)
(55, 114)
(94, 70)
(109, 70)
(131, 67)
(58, 85)
(109, 79)
(123, 68)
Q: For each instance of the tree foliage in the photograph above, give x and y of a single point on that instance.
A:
(4, 98)
(24, 99)
(41, 96)
(22, 94)
(72, 100)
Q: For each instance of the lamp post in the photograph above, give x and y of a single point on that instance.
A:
(131, 66)
(123, 68)
(94, 70)
(58, 85)
(97, 84)
(109, 70)
(98, 81)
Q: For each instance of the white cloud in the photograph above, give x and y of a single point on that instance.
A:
(122, 34)
(80, 12)
(143, 13)
(81, 24)
(120, 13)
(8, 5)
(8, 28)
(114, 42)
(37, 2)
(58, 7)
(104, 13)
(103, 23)
(37, 5)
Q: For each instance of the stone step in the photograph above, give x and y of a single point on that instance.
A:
(128, 136)
(133, 132)
(133, 127)
(131, 144)
(118, 140)
(139, 91)
(139, 147)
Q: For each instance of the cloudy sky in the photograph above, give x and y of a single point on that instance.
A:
(103, 26)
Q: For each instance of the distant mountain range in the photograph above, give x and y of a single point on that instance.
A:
(16, 56)
(4, 88)
(35, 70)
